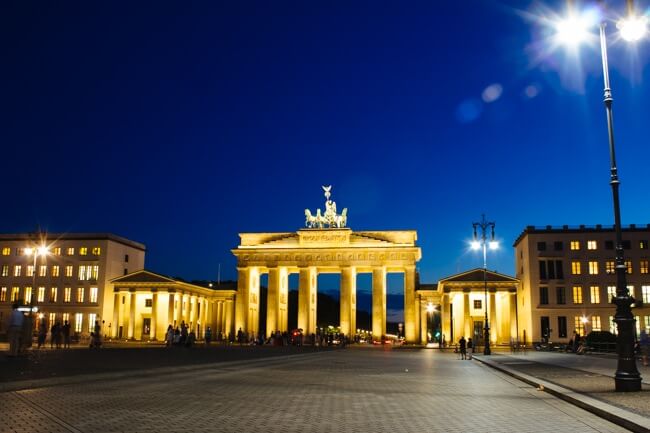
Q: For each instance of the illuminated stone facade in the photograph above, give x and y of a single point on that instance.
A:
(144, 304)
(309, 252)
(460, 300)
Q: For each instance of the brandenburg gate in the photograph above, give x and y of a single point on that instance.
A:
(326, 245)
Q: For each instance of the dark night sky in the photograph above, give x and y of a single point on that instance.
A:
(182, 124)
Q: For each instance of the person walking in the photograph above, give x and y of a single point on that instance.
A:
(470, 348)
(15, 330)
(463, 348)
(66, 334)
(208, 336)
(169, 336)
(42, 333)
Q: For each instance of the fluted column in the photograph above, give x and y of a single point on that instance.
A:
(348, 295)
(186, 308)
(467, 318)
(170, 310)
(154, 316)
(445, 316)
(513, 315)
(241, 306)
(307, 299)
(283, 312)
(132, 307)
(116, 315)
(273, 301)
(494, 325)
(411, 325)
(230, 312)
(378, 302)
(425, 320)
(193, 311)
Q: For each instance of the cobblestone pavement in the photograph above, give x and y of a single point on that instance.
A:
(352, 390)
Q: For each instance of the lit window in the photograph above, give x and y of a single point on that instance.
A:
(66, 317)
(575, 268)
(55, 270)
(41, 294)
(643, 245)
(595, 323)
(93, 295)
(80, 294)
(612, 325)
(6, 251)
(67, 294)
(610, 267)
(70, 251)
(82, 273)
(95, 272)
(97, 251)
(52, 318)
(595, 294)
(628, 266)
(53, 292)
(56, 251)
(78, 322)
(28, 295)
(579, 326)
(91, 321)
(68, 271)
(83, 251)
(15, 293)
(17, 270)
(647, 323)
(3, 294)
(593, 268)
(42, 271)
(638, 324)
(591, 245)
(645, 295)
(5, 270)
(611, 293)
(577, 294)
(630, 290)
(575, 245)
(30, 271)
(643, 266)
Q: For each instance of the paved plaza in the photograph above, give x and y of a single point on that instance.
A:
(351, 390)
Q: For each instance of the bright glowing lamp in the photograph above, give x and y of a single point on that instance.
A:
(430, 308)
(42, 251)
(494, 245)
(572, 30)
(583, 319)
(633, 28)
(475, 245)
(29, 251)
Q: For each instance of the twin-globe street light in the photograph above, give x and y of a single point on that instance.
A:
(478, 243)
(40, 251)
(574, 30)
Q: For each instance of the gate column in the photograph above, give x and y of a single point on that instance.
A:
(378, 303)
(348, 307)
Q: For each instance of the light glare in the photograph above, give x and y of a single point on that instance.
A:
(494, 245)
(572, 30)
(633, 28)
(42, 251)
(475, 245)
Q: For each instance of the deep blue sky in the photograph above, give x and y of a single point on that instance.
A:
(180, 125)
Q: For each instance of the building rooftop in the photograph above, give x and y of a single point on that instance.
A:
(35, 236)
(579, 229)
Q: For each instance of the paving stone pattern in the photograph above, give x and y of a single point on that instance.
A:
(352, 390)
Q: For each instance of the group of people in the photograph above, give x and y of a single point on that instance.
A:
(183, 336)
(59, 334)
(465, 348)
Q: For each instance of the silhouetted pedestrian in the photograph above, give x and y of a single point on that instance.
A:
(463, 348)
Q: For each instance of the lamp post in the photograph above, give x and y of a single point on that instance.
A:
(480, 241)
(41, 251)
(632, 28)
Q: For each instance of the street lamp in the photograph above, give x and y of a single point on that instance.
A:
(481, 241)
(632, 29)
(40, 251)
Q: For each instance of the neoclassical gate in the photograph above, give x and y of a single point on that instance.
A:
(326, 246)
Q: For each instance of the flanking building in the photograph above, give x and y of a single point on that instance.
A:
(568, 279)
(68, 281)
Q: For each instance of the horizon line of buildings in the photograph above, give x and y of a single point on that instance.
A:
(564, 281)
